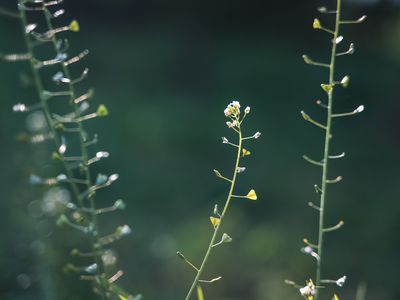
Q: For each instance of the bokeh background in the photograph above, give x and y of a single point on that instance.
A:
(166, 71)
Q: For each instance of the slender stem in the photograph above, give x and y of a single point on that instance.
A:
(97, 248)
(40, 90)
(326, 151)
(214, 236)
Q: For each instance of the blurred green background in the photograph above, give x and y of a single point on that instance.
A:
(166, 71)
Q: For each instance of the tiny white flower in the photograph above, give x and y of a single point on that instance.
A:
(113, 177)
(257, 135)
(308, 250)
(62, 149)
(225, 140)
(308, 290)
(61, 177)
(125, 230)
(247, 110)
(359, 109)
(102, 154)
(305, 291)
(341, 281)
(227, 112)
(19, 107)
(92, 269)
(240, 169)
(234, 123)
(229, 124)
(339, 39)
(236, 104)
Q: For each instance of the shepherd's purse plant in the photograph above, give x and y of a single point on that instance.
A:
(311, 291)
(65, 112)
(235, 123)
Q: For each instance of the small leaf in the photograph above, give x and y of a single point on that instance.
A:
(215, 221)
(200, 294)
(335, 297)
(316, 24)
(62, 220)
(56, 157)
(102, 111)
(245, 152)
(226, 238)
(252, 195)
(74, 26)
(326, 87)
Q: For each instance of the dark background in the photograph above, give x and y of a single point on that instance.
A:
(166, 70)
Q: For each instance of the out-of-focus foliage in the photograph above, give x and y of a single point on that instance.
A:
(166, 71)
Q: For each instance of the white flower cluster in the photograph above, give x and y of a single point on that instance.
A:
(233, 109)
(232, 124)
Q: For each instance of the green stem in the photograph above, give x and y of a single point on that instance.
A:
(326, 151)
(40, 89)
(216, 231)
(97, 248)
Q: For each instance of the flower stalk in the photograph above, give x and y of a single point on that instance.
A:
(312, 291)
(76, 167)
(235, 123)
